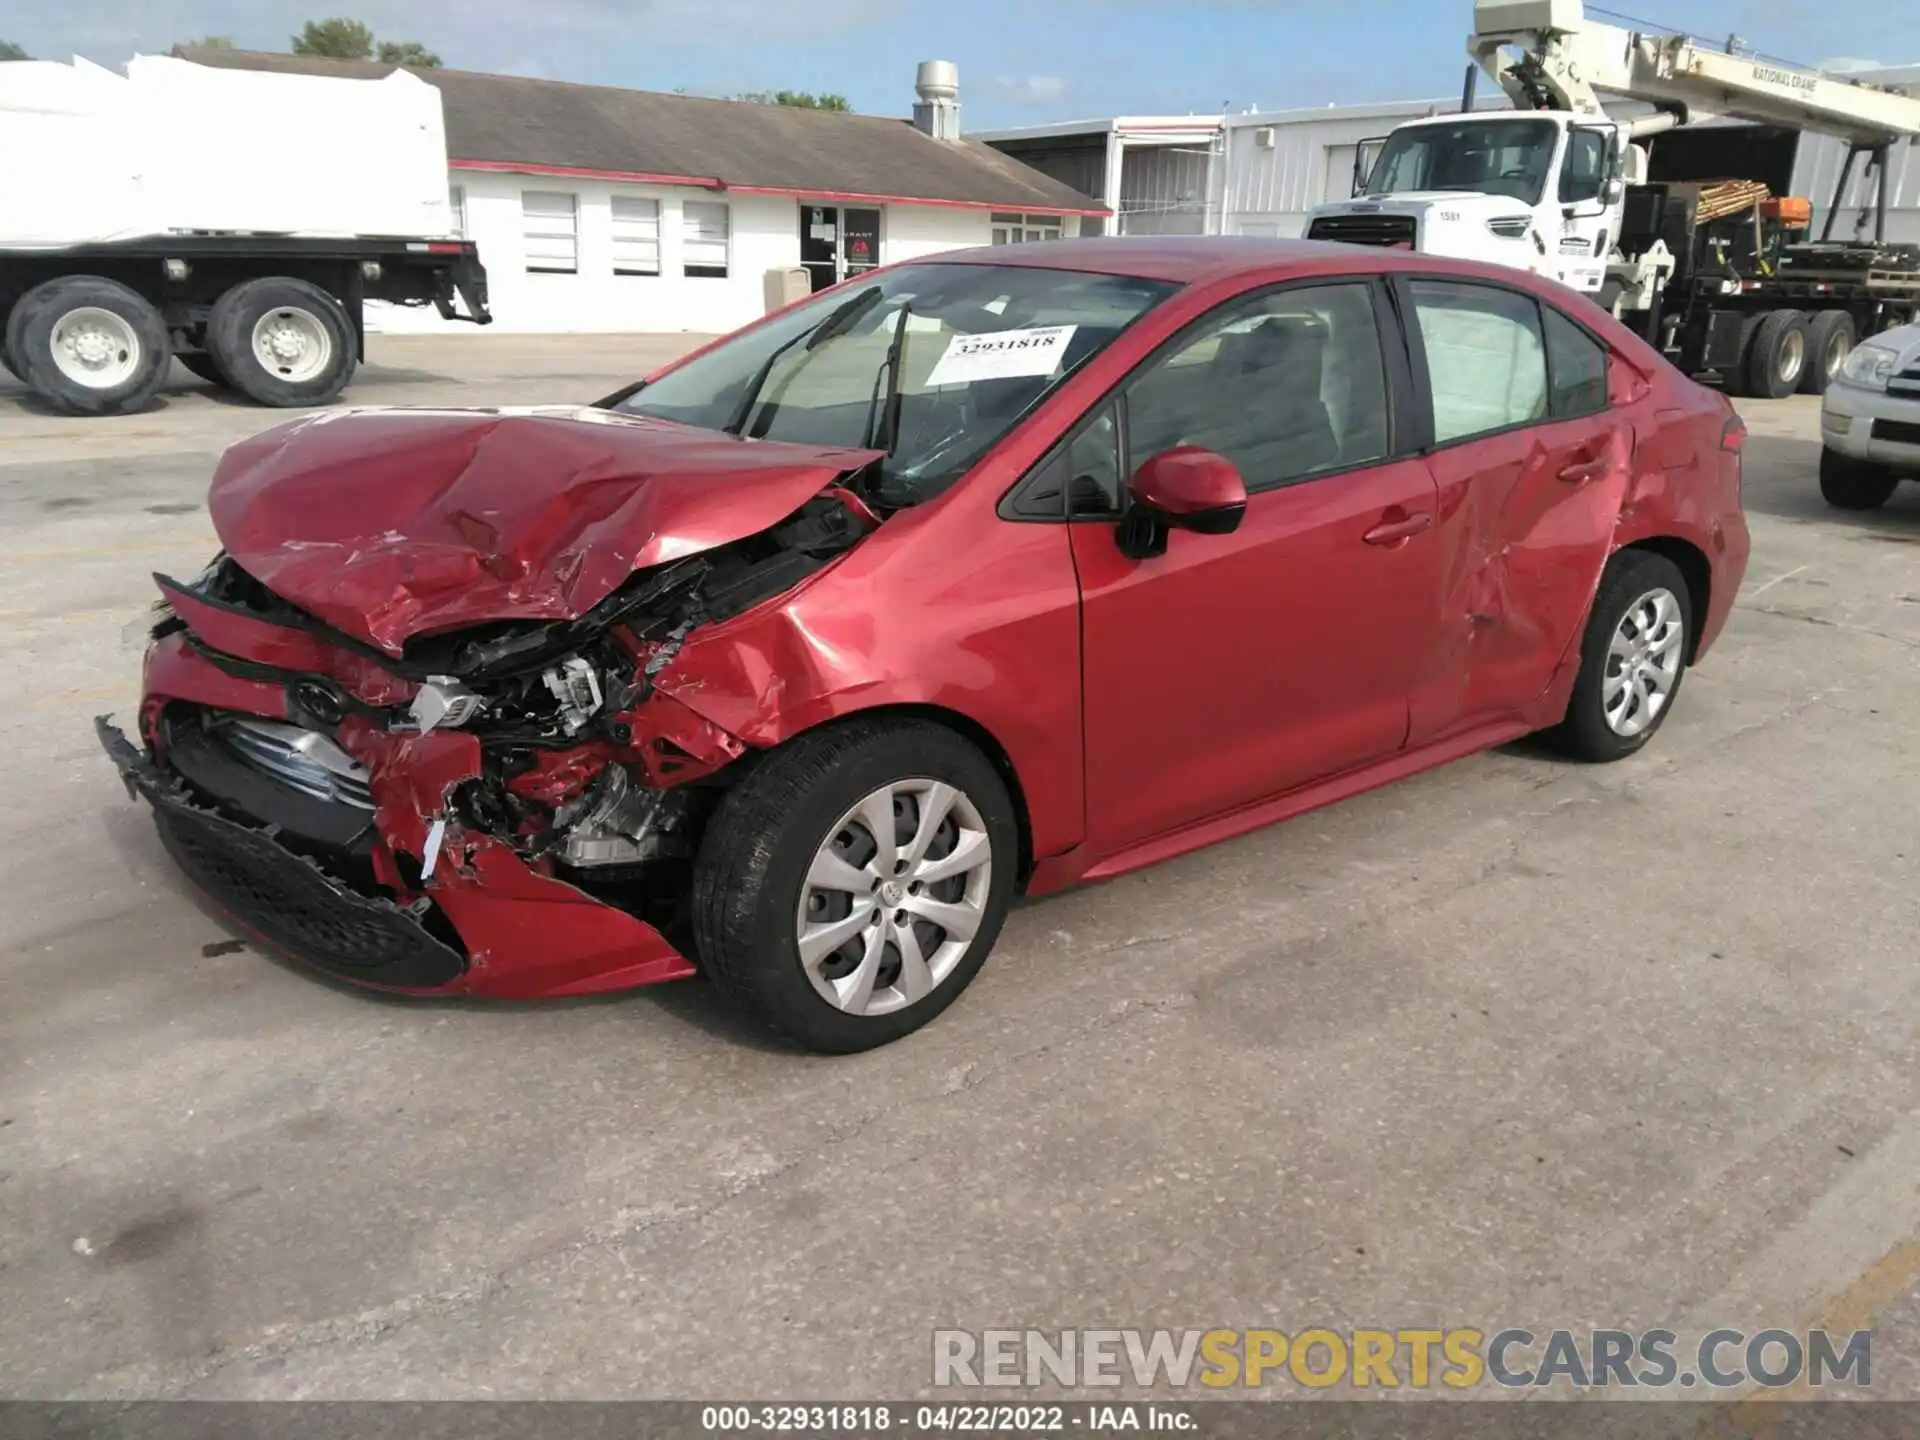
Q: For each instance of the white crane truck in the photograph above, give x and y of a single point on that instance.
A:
(1559, 187)
(139, 222)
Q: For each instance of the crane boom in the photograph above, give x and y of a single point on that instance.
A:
(1566, 62)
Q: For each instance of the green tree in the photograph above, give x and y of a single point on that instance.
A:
(11, 51)
(408, 52)
(212, 42)
(798, 99)
(335, 40)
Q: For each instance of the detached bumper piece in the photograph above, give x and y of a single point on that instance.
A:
(281, 896)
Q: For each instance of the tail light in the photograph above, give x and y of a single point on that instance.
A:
(1733, 441)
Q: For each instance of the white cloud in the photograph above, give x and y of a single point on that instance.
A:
(1031, 89)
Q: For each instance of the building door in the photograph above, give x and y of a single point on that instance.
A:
(859, 241)
(820, 244)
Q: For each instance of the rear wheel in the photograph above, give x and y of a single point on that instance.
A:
(89, 345)
(850, 887)
(1850, 484)
(1632, 658)
(1777, 355)
(1830, 337)
(282, 341)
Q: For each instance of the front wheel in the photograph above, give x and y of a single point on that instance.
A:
(1849, 484)
(853, 883)
(1632, 658)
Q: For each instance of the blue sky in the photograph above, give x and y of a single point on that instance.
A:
(1021, 61)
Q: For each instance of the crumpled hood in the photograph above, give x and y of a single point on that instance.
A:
(393, 523)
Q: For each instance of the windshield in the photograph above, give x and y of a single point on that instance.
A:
(932, 363)
(1492, 157)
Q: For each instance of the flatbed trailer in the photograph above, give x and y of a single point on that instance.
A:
(90, 328)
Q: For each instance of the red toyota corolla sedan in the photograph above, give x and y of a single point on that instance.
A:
(974, 577)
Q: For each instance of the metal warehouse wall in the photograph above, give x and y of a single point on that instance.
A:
(1817, 170)
(1269, 191)
(1165, 190)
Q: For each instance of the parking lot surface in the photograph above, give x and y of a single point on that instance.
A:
(1515, 1043)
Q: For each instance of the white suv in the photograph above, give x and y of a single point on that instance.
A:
(1870, 422)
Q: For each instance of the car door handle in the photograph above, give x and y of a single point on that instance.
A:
(1392, 532)
(1579, 472)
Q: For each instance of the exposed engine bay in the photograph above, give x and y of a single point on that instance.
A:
(583, 772)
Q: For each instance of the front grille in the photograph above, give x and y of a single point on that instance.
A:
(290, 903)
(1904, 432)
(1363, 229)
(301, 759)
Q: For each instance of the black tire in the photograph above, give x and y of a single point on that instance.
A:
(1630, 577)
(1733, 379)
(230, 341)
(6, 350)
(1849, 484)
(38, 316)
(750, 876)
(1830, 337)
(203, 365)
(1777, 355)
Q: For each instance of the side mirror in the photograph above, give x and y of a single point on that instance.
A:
(1185, 488)
(1613, 190)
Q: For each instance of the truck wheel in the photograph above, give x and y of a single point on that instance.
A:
(200, 363)
(1777, 355)
(1849, 484)
(1830, 337)
(282, 341)
(89, 345)
(7, 362)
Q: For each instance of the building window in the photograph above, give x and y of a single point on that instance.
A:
(1015, 229)
(703, 239)
(550, 222)
(636, 235)
(457, 210)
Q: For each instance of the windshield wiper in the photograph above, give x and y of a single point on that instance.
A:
(883, 416)
(837, 322)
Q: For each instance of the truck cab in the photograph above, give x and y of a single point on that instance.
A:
(1538, 191)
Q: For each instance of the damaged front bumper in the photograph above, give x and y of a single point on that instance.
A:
(509, 809)
(488, 926)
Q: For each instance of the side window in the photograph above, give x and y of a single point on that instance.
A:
(1486, 361)
(1093, 468)
(1577, 364)
(1285, 386)
(1081, 479)
(1585, 168)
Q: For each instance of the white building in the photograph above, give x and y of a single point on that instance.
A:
(602, 209)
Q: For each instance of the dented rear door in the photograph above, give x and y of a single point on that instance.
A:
(1531, 461)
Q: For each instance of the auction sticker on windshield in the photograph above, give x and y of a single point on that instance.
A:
(1004, 355)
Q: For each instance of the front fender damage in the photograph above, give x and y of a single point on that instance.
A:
(538, 787)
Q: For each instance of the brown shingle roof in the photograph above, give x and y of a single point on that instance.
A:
(508, 121)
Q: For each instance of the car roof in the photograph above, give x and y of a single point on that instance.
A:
(1195, 259)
